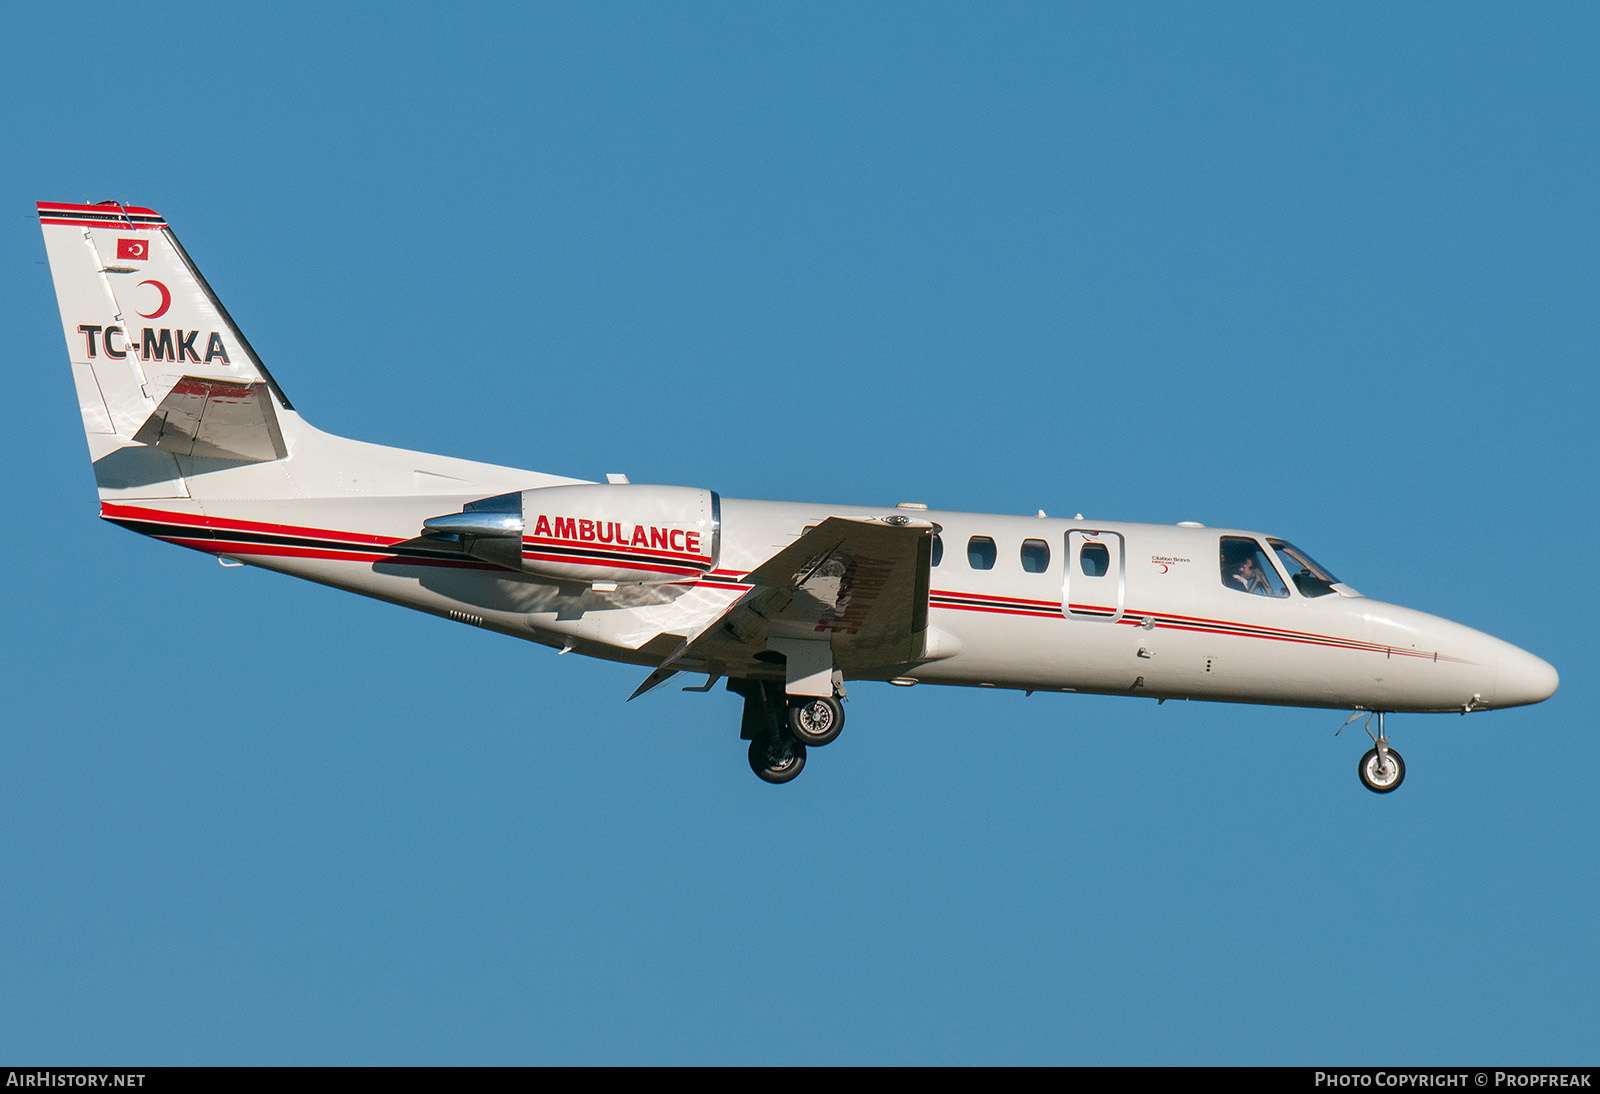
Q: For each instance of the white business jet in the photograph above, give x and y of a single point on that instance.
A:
(193, 442)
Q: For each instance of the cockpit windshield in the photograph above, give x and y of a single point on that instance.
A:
(1309, 577)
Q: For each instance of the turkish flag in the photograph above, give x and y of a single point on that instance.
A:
(133, 248)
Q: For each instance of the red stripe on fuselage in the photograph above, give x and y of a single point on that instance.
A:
(610, 563)
(620, 548)
(941, 599)
(227, 524)
(1002, 605)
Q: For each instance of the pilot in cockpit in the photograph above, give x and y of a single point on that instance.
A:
(1242, 567)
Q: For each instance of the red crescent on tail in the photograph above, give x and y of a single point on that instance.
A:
(166, 301)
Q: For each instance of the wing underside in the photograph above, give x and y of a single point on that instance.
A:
(855, 588)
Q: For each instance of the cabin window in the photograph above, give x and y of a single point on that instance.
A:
(1094, 559)
(981, 553)
(1035, 556)
(1245, 568)
(938, 550)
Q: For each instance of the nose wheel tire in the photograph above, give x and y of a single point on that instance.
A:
(815, 721)
(776, 757)
(1378, 777)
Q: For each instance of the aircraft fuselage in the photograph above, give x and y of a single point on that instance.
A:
(1159, 622)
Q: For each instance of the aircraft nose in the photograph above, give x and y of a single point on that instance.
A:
(1523, 679)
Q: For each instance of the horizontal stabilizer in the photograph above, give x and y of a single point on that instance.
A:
(219, 419)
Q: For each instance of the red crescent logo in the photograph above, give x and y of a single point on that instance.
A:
(166, 301)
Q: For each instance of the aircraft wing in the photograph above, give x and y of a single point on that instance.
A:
(860, 584)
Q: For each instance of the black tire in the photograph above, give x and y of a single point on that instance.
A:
(815, 722)
(776, 758)
(1377, 780)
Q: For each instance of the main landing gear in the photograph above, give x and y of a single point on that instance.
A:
(1381, 769)
(777, 757)
(780, 728)
(815, 721)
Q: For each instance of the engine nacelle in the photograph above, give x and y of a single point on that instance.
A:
(596, 534)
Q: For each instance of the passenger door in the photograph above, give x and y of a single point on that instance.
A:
(1093, 585)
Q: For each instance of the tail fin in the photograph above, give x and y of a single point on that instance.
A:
(160, 368)
(176, 404)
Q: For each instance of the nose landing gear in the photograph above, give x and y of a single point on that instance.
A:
(1381, 769)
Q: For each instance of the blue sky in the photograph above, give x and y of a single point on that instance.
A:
(1330, 275)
